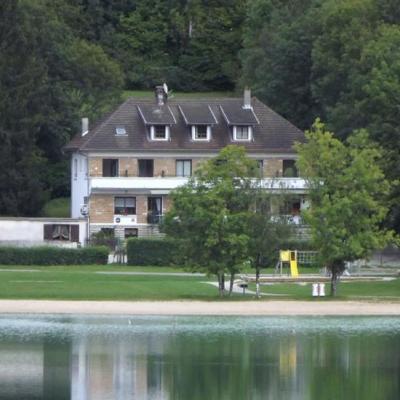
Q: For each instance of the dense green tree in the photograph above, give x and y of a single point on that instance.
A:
(192, 45)
(210, 214)
(335, 59)
(357, 77)
(345, 27)
(276, 57)
(348, 196)
(49, 77)
(21, 72)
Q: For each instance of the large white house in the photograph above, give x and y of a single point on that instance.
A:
(124, 166)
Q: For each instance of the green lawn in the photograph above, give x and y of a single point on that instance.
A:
(373, 290)
(84, 283)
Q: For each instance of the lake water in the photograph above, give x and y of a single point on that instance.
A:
(204, 358)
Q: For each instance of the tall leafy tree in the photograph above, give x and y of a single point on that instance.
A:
(268, 231)
(357, 77)
(210, 214)
(348, 194)
(278, 39)
(49, 77)
(191, 44)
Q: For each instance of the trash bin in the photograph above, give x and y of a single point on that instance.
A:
(322, 289)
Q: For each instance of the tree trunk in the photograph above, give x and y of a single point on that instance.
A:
(336, 269)
(231, 279)
(221, 284)
(333, 282)
(258, 282)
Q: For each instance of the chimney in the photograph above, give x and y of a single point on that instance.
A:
(85, 126)
(161, 94)
(247, 98)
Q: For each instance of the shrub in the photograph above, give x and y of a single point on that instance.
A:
(104, 238)
(49, 255)
(151, 251)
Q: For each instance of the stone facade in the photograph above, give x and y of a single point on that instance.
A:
(167, 203)
(196, 162)
(164, 167)
(128, 166)
(141, 209)
(95, 166)
(273, 167)
(101, 208)
(102, 205)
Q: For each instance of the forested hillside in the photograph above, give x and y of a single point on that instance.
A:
(64, 59)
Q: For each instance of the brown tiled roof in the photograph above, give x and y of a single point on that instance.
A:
(197, 114)
(235, 114)
(271, 132)
(156, 115)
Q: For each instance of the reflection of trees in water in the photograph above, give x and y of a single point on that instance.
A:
(357, 367)
(207, 366)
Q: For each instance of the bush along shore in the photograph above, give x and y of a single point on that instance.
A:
(50, 255)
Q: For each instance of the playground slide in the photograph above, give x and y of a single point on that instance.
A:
(294, 272)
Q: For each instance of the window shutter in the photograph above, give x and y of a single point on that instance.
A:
(74, 233)
(47, 232)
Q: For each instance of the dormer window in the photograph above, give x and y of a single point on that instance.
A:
(159, 132)
(201, 132)
(242, 133)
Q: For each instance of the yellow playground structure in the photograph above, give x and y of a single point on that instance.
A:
(289, 257)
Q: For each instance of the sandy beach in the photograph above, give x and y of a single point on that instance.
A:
(199, 307)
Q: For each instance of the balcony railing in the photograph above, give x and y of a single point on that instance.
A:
(154, 218)
(103, 184)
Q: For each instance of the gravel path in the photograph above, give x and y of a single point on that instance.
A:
(270, 307)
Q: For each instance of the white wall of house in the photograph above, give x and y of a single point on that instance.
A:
(30, 231)
(79, 183)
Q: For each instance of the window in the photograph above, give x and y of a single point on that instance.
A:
(242, 133)
(130, 232)
(159, 132)
(201, 132)
(183, 167)
(120, 130)
(154, 207)
(61, 232)
(146, 168)
(75, 168)
(289, 169)
(110, 167)
(107, 231)
(125, 205)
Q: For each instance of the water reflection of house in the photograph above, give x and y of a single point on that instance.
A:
(121, 370)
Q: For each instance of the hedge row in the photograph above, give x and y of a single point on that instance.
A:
(161, 252)
(49, 255)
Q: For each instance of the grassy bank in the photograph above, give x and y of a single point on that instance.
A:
(372, 290)
(85, 283)
(95, 283)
